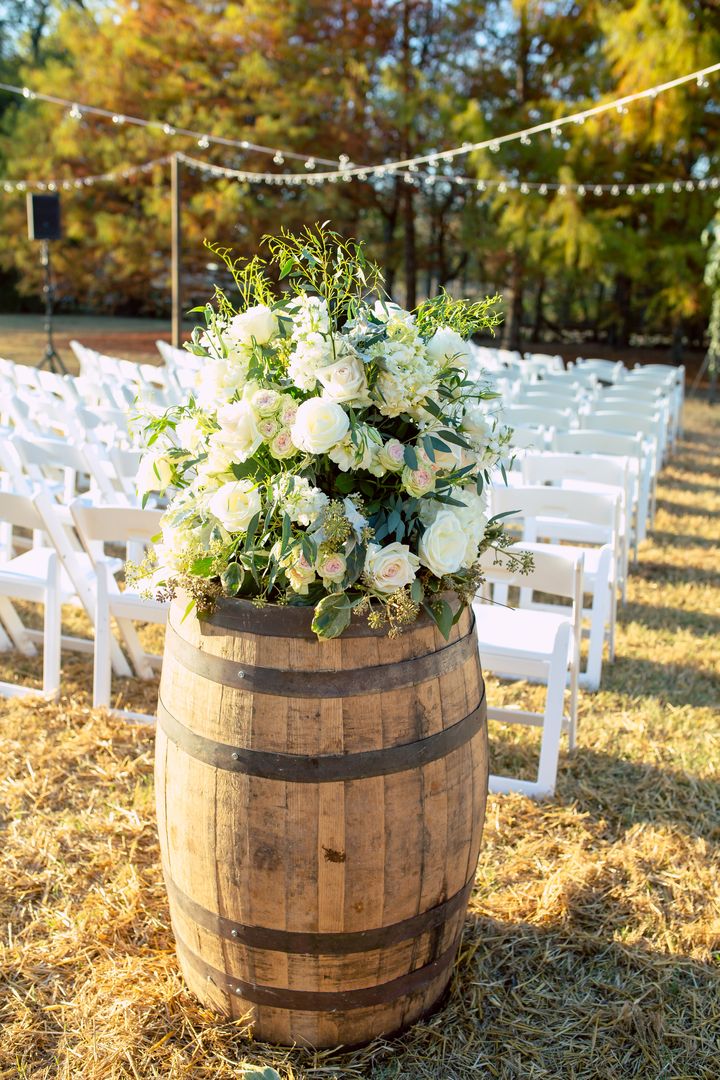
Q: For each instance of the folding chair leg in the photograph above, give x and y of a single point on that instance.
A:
(553, 717)
(138, 656)
(15, 628)
(102, 668)
(52, 632)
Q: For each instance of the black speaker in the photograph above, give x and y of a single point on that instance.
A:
(43, 212)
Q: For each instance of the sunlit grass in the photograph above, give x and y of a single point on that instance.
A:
(593, 936)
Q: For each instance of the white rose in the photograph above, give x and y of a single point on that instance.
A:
(477, 425)
(442, 546)
(257, 323)
(345, 381)
(238, 429)
(390, 567)
(154, 473)
(188, 432)
(235, 504)
(446, 347)
(319, 425)
(218, 380)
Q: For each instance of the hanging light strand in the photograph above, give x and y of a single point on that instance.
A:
(424, 180)
(343, 169)
(204, 139)
(76, 182)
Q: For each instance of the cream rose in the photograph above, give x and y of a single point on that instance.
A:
(418, 482)
(345, 381)
(332, 569)
(154, 474)
(235, 504)
(300, 575)
(319, 425)
(266, 402)
(392, 456)
(257, 323)
(282, 446)
(446, 347)
(442, 546)
(238, 429)
(390, 568)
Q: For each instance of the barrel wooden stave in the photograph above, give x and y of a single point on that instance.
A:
(322, 858)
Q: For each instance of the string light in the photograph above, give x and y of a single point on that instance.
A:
(414, 178)
(343, 167)
(77, 111)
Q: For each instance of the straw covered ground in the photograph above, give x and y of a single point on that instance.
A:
(593, 937)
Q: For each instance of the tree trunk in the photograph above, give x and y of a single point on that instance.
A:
(538, 317)
(515, 304)
(410, 251)
(623, 313)
(676, 348)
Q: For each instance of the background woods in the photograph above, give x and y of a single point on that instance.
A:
(377, 81)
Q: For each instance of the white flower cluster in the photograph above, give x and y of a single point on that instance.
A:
(324, 459)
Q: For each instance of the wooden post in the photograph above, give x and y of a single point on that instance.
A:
(176, 249)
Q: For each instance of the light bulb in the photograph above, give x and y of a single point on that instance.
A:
(614, 190)
(118, 119)
(542, 190)
(597, 190)
(310, 163)
(168, 129)
(525, 140)
(203, 142)
(581, 190)
(631, 189)
(75, 113)
(278, 158)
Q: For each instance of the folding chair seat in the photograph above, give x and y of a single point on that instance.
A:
(97, 526)
(533, 645)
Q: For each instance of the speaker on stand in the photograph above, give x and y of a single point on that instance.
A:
(43, 212)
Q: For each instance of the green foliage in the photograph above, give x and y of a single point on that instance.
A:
(463, 316)
(321, 261)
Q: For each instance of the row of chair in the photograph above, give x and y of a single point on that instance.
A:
(579, 499)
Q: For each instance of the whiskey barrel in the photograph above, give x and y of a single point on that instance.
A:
(320, 807)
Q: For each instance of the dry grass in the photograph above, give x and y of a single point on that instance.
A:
(593, 931)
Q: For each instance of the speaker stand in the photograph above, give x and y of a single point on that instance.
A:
(50, 357)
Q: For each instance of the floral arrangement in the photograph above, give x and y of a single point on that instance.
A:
(336, 452)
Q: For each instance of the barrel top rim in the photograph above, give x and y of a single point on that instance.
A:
(295, 620)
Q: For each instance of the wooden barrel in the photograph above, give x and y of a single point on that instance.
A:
(320, 807)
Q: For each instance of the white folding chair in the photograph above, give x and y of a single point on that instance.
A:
(554, 514)
(599, 473)
(96, 526)
(538, 646)
(62, 466)
(615, 444)
(20, 582)
(560, 419)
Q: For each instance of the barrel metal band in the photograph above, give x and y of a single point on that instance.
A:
(322, 768)
(320, 1000)
(321, 684)
(319, 944)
